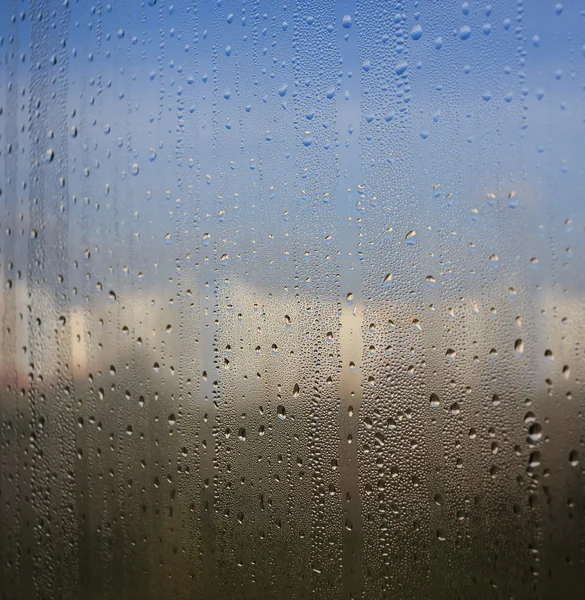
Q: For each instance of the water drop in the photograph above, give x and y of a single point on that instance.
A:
(401, 67)
(416, 32)
(535, 432)
(464, 32)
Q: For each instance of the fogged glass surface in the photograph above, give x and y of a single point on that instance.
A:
(293, 299)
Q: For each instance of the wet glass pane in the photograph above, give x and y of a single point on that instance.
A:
(293, 299)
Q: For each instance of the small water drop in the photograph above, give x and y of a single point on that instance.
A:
(464, 32)
(346, 21)
(401, 67)
(535, 432)
(416, 32)
(513, 200)
(411, 238)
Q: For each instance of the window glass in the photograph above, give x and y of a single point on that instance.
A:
(292, 299)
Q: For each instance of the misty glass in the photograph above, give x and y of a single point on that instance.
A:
(293, 299)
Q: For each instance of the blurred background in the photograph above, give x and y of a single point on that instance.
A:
(292, 299)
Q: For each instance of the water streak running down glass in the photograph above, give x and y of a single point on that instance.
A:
(293, 299)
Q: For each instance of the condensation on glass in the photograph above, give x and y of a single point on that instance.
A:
(293, 299)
